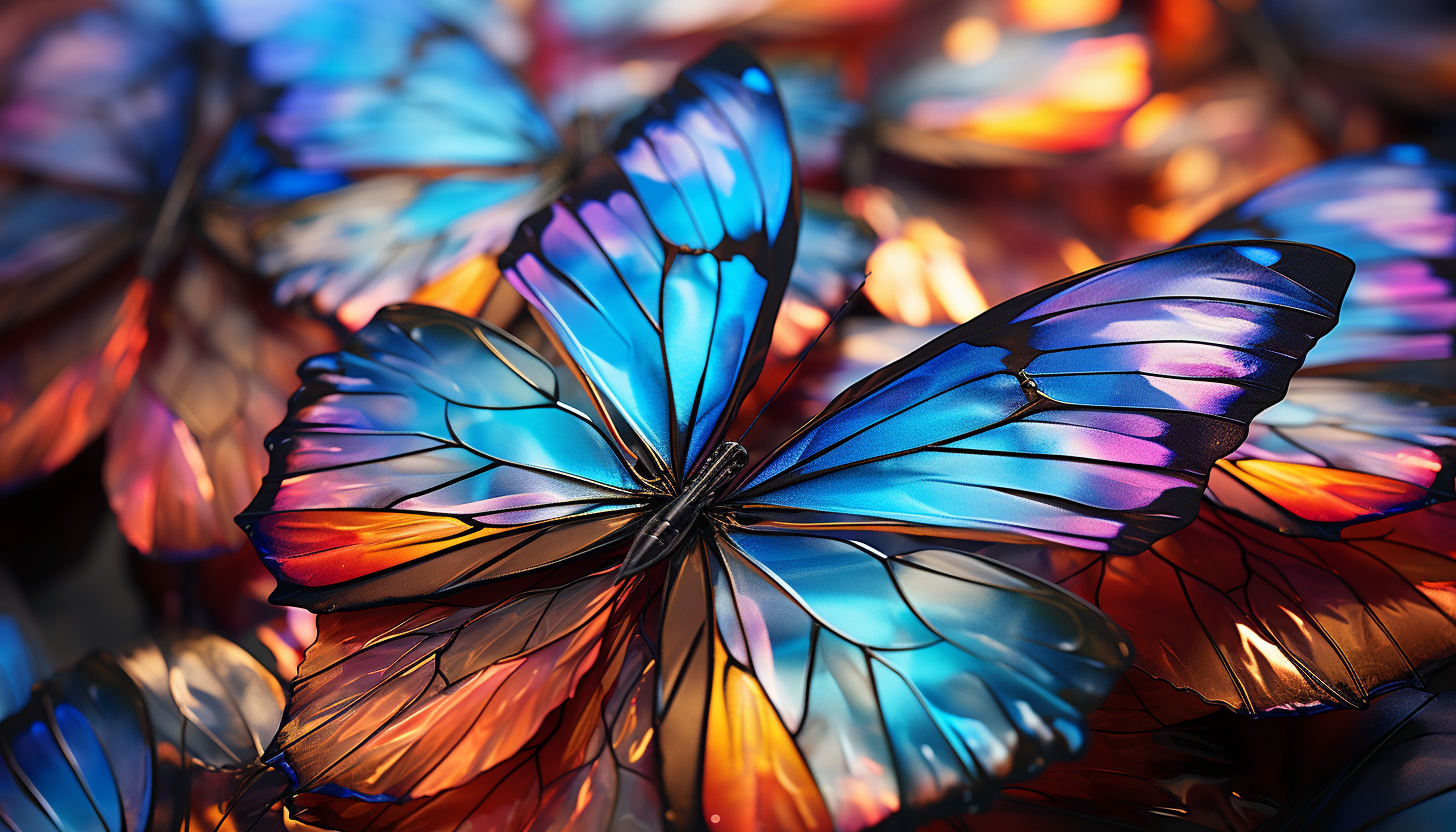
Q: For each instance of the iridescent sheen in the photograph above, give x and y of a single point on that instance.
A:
(1393, 213)
(1085, 413)
(666, 300)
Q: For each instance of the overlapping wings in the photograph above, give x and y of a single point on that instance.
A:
(1086, 413)
(1394, 214)
(412, 148)
(662, 272)
(1336, 452)
(431, 454)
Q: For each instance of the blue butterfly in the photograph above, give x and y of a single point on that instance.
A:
(617, 616)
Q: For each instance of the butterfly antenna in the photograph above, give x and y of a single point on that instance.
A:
(805, 354)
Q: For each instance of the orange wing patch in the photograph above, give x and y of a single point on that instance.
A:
(753, 775)
(1324, 495)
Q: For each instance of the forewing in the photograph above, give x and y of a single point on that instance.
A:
(185, 450)
(1394, 214)
(661, 272)
(431, 454)
(811, 681)
(102, 97)
(1088, 412)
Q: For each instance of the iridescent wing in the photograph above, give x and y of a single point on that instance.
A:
(405, 703)
(417, 150)
(812, 682)
(102, 98)
(1393, 213)
(63, 376)
(207, 698)
(23, 662)
(185, 450)
(661, 272)
(79, 755)
(432, 454)
(1088, 412)
(1336, 452)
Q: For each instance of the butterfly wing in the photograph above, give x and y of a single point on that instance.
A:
(102, 98)
(812, 682)
(1087, 412)
(661, 273)
(1393, 213)
(79, 755)
(590, 765)
(185, 449)
(416, 148)
(431, 454)
(1336, 452)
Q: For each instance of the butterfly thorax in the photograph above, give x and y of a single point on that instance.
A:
(666, 530)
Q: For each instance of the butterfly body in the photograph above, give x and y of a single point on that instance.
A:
(668, 529)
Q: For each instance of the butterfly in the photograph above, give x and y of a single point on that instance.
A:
(540, 615)
(143, 147)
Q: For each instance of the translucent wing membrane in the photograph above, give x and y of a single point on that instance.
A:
(820, 713)
(417, 149)
(1337, 452)
(185, 450)
(78, 756)
(103, 97)
(1087, 412)
(352, 251)
(433, 453)
(662, 271)
(63, 377)
(1393, 213)
(207, 698)
(588, 764)
(1261, 622)
(407, 702)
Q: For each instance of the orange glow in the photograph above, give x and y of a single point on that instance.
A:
(1190, 170)
(920, 276)
(1259, 651)
(326, 547)
(753, 775)
(1152, 120)
(1080, 107)
(1059, 15)
(72, 407)
(464, 288)
(1323, 494)
(1078, 257)
(971, 40)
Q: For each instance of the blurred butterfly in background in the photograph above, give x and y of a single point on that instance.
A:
(165, 736)
(536, 615)
(144, 147)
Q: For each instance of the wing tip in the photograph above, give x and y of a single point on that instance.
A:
(1324, 271)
